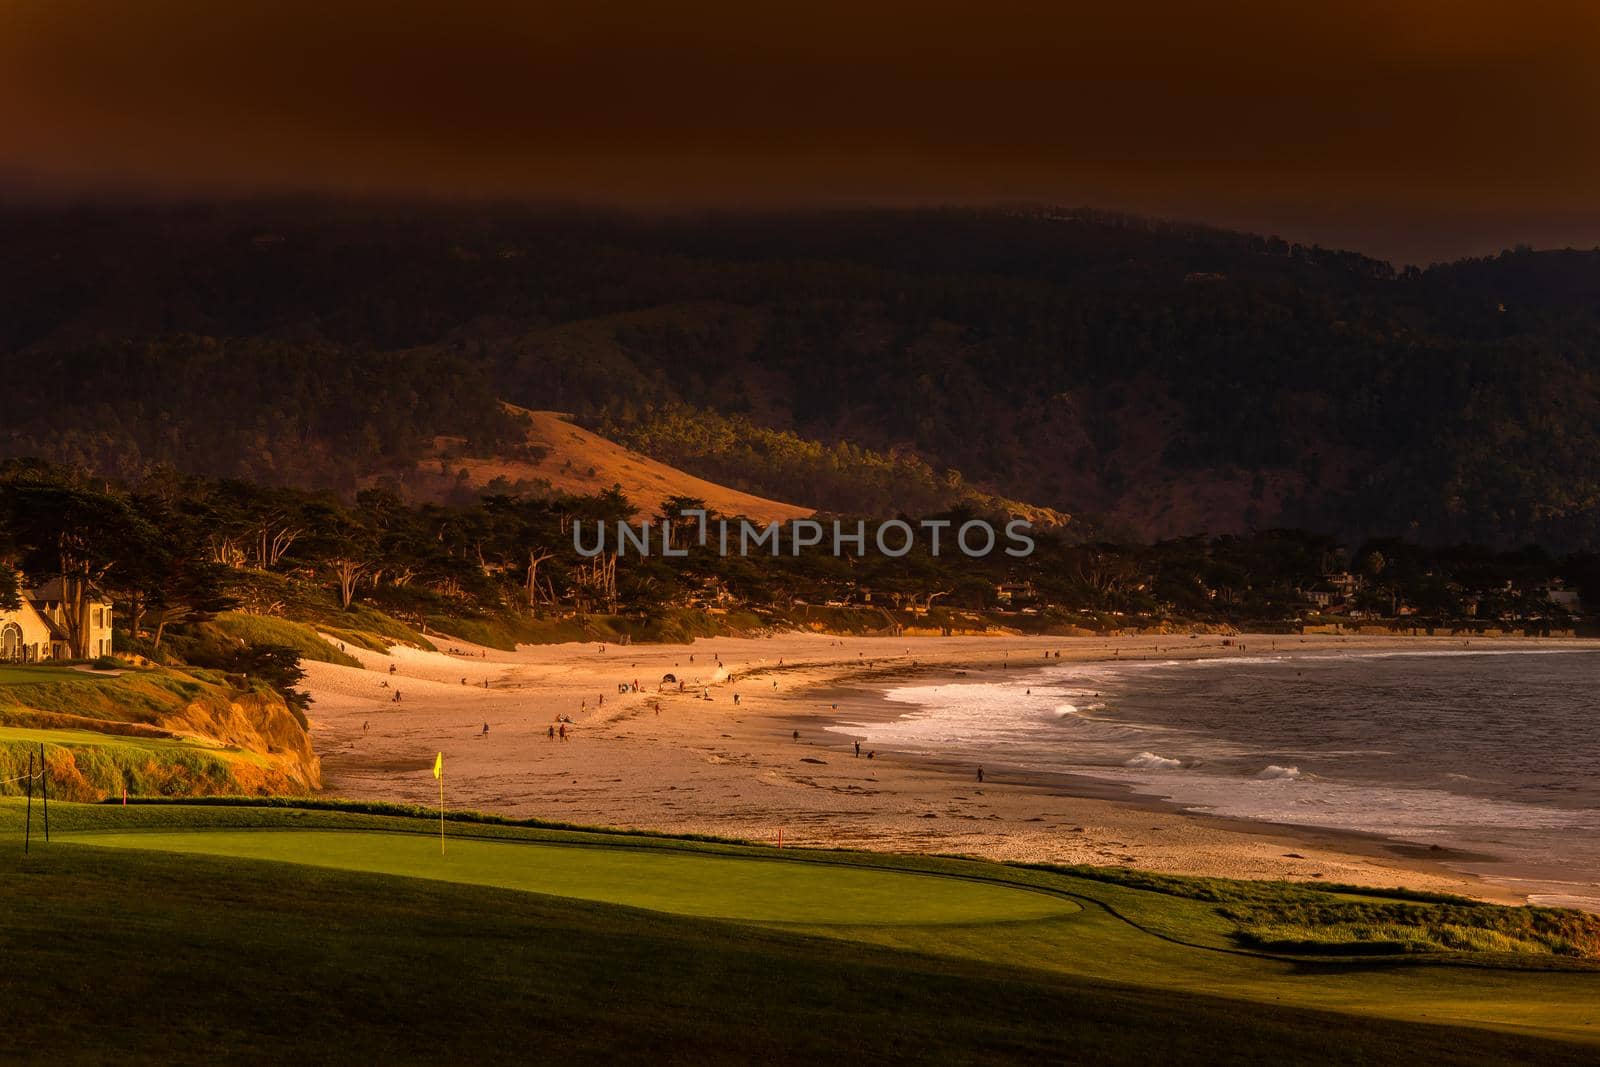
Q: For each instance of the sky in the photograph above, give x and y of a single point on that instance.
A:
(1417, 130)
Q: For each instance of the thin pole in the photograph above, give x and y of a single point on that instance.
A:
(44, 788)
(27, 833)
(441, 811)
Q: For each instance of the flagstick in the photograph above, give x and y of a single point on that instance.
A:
(441, 811)
(44, 789)
(27, 833)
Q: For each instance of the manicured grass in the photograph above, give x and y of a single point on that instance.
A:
(684, 883)
(27, 674)
(140, 696)
(131, 748)
(154, 957)
(96, 737)
(533, 954)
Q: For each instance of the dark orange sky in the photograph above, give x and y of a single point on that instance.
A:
(1411, 128)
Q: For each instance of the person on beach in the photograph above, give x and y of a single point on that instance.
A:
(563, 731)
(485, 729)
(858, 750)
(365, 726)
(797, 735)
(736, 700)
(980, 775)
(392, 668)
(552, 734)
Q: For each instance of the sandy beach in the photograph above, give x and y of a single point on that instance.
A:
(676, 761)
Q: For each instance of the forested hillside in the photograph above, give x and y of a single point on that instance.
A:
(1163, 378)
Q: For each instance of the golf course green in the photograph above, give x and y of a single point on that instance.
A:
(683, 883)
(324, 932)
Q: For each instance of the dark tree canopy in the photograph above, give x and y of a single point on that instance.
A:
(1169, 379)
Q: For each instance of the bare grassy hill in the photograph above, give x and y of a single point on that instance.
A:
(568, 458)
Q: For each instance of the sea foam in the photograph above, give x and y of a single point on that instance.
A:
(1151, 761)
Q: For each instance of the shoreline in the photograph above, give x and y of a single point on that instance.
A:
(738, 770)
(1086, 786)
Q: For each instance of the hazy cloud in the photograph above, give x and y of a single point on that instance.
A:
(1420, 127)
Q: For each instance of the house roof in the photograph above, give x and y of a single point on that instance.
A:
(56, 631)
(34, 607)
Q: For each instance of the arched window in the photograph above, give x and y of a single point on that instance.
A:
(10, 641)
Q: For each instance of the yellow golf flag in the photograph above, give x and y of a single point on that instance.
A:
(438, 772)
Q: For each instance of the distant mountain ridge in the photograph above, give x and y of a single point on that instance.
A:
(1164, 378)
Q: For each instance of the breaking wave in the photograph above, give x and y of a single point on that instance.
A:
(1151, 761)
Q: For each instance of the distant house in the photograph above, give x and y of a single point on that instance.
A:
(1333, 592)
(1324, 595)
(1561, 596)
(1009, 594)
(38, 630)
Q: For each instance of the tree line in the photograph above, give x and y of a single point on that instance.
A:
(175, 550)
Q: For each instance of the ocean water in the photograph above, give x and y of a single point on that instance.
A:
(1492, 752)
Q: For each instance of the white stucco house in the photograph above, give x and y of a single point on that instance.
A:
(37, 630)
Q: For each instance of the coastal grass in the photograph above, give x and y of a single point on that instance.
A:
(270, 630)
(1383, 927)
(608, 943)
(157, 731)
(1324, 918)
(367, 627)
(88, 764)
(675, 625)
